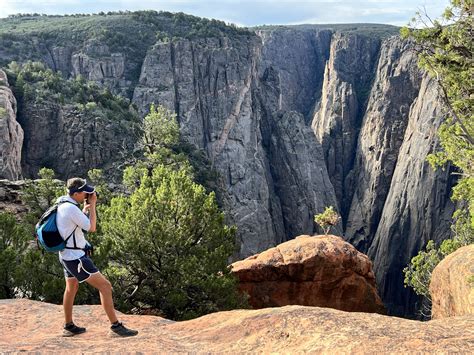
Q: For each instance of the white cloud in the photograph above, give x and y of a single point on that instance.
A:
(6, 8)
(380, 11)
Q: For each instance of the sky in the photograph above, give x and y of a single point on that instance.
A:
(247, 12)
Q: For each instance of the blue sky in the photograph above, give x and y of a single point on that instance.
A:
(247, 12)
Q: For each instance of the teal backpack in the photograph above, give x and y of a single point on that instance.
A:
(47, 233)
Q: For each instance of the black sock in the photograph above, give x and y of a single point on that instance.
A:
(115, 324)
(69, 325)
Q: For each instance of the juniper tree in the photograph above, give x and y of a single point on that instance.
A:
(170, 246)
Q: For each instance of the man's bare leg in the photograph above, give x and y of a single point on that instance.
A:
(105, 288)
(72, 285)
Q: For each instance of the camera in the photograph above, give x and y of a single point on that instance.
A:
(96, 194)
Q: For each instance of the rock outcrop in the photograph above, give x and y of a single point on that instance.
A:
(98, 63)
(452, 284)
(290, 329)
(70, 141)
(323, 271)
(11, 197)
(11, 133)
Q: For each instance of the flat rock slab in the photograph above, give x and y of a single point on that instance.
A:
(35, 326)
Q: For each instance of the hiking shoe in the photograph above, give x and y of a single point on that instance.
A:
(71, 329)
(120, 330)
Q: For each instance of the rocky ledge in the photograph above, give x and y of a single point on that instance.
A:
(10, 197)
(36, 327)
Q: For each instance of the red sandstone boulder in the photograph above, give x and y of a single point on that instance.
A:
(452, 284)
(323, 271)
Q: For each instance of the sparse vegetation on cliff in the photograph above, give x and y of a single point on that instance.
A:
(30, 36)
(363, 29)
(34, 83)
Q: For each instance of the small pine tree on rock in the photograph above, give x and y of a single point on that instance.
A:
(327, 219)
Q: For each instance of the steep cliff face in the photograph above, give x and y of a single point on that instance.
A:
(11, 133)
(295, 160)
(95, 61)
(396, 86)
(208, 83)
(300, 179)
(347, 78)
(109, 66)
(418, 207)
(391, 200)
(227, 107)
(298, 58)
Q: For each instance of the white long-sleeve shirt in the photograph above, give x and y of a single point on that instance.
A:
(69, 219)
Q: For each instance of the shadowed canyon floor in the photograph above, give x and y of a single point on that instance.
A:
(36, 326)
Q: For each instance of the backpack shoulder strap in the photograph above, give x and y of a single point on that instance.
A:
(71, 235)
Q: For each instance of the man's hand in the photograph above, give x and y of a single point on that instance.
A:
(90, 201)
(90, 207)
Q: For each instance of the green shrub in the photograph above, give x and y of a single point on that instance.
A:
(170, 247)
(167, 241)
(40, 194)
(13, 243)
(327, 219)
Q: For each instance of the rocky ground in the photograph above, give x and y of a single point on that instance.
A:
(36, 327)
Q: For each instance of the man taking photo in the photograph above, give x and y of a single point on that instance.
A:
(78, 266)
